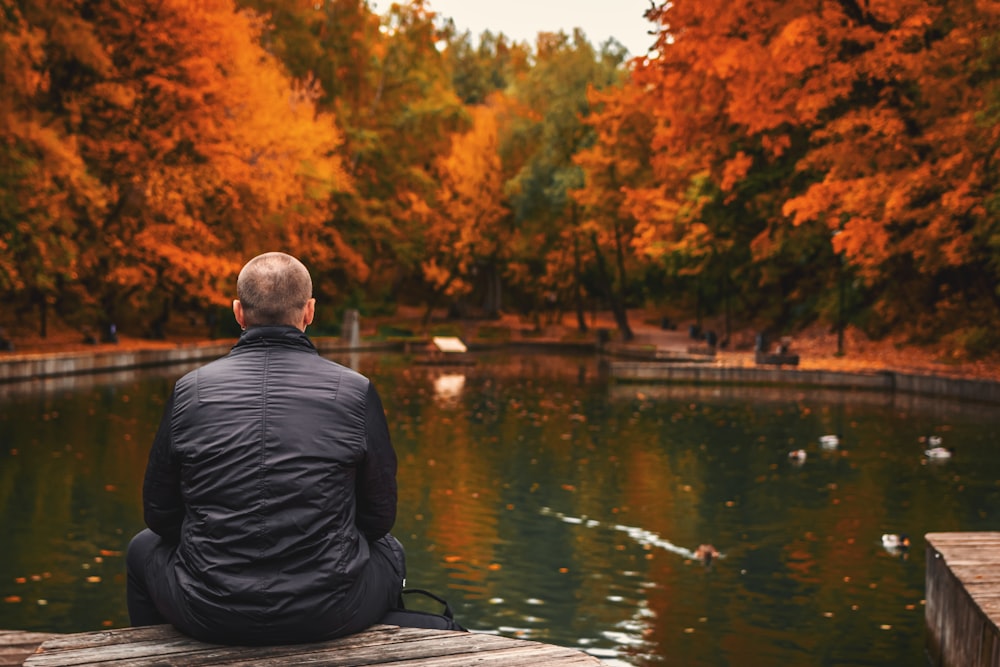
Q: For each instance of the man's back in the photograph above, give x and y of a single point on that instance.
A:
(269, 443)
(271, 486)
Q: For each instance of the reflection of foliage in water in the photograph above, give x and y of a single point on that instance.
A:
(623, 469)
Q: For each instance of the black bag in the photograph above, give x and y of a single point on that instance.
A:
(413, 618)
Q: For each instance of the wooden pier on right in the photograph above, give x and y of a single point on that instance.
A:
(963, 599)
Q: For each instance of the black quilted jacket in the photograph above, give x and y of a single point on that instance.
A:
(272, 469)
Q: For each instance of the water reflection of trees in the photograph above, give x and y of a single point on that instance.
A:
(481, 459)
(73, 455)
(689, 463)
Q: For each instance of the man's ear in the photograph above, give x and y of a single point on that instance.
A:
(309, 314)
(238, 312)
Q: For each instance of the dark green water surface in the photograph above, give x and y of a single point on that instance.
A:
(546, 501)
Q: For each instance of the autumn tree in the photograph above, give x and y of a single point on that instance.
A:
(616, 163)
(542, 131)
(859, 121)
(46, 189)
(463, 234)
(388, 85)
(196, 150)
(483, 67)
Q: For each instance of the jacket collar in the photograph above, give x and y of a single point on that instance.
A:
(286, 336)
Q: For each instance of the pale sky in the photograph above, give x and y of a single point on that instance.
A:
(522, 20)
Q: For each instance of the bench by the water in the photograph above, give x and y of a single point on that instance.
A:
(380, 645)
(963, 599)
(781, 356)
(776, 359)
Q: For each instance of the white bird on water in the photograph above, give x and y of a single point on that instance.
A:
(936, 450)
(895, 542)
(829, 441)
(939, 453)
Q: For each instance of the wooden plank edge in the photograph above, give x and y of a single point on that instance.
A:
(117, 647)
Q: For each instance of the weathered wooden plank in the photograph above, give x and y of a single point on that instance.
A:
(16, 645)
(975, 575)
(535, 655)
(165, 633)
(340, 653)
(963, 539)
(135, 645)
(457, 649)
(380, 645)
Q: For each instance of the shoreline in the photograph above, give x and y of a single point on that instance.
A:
(626, 363)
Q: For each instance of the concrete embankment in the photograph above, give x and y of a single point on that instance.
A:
(18, 367)
(985, 391)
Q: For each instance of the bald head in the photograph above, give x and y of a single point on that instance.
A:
(274, 289)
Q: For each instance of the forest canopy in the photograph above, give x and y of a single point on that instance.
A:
(779, 163)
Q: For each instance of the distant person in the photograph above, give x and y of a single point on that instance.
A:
(6, 344)
(271, 486)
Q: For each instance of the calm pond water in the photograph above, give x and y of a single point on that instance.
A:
(547, 502)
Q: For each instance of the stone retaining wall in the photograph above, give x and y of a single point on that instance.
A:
(17, 367)
(28, 366)
(985, 391)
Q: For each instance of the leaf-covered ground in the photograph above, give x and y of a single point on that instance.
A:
(816, 347)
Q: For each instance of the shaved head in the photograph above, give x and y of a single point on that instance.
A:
(274, 289)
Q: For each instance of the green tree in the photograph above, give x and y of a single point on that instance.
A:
(542, 132)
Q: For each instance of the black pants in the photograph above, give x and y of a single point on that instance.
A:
(154, 596)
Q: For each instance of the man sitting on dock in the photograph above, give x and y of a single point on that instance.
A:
(271, 486)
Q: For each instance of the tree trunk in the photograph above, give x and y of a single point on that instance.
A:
(616, 303)
(43, 317)
(492, 299)
(158, 326)
(581, 320)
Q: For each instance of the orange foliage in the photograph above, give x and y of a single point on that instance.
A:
(463, 226)
(878, 104)
(180, 140)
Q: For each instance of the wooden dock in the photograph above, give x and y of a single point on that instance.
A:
(381, 645)
(16, 646)
(963, 599)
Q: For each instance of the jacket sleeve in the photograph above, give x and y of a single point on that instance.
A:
(376, 480)
(162, 504)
